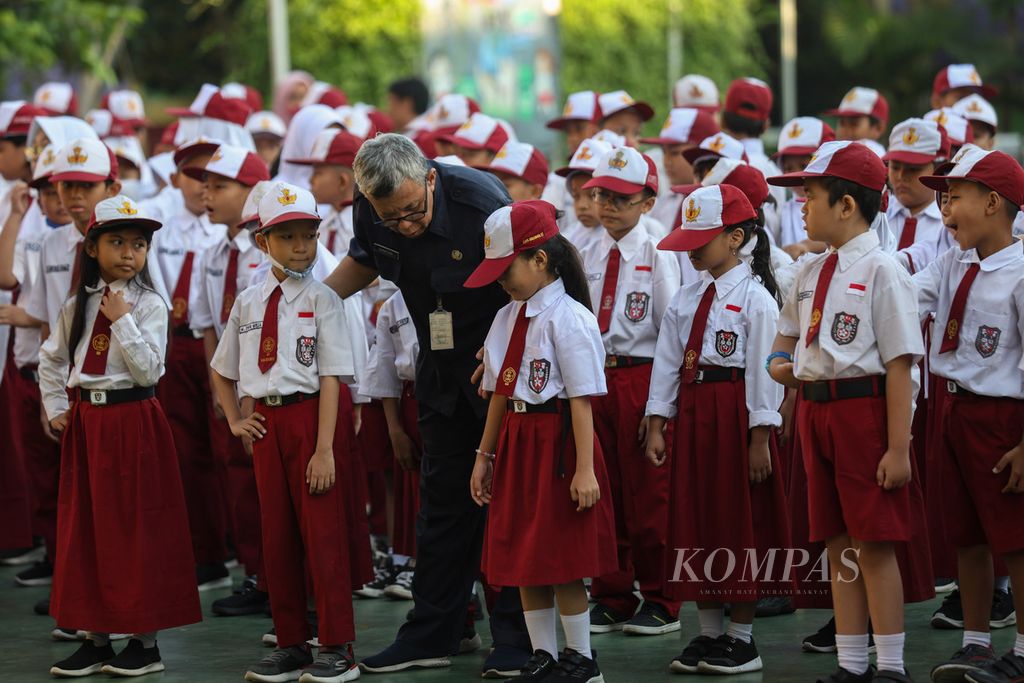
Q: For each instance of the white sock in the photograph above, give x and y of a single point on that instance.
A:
(744, 632)
(1002, 583)
(977, 638)
(712, 621)
(98, 639)
(889, 651)
(540, 624)
(148, 639)
(853, 652)
(1018, 645)
(577, 633)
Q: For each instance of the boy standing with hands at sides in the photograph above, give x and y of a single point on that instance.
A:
(857, 390)
(272, 347)
(976, 293)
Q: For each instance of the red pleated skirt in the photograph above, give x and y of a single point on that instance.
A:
(351, 477)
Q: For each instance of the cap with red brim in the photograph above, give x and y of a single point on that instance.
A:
(285, 202)
(996, 170)
(839, 159)
(510, 231)
(706, 213)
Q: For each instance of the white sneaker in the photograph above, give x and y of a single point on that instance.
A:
(401, 588)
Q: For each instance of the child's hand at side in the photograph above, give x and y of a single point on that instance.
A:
(1015, 459)
(251, 426)
(59, 424)
(480, 481)
(320, 471)
(894, 469)
(584, 489)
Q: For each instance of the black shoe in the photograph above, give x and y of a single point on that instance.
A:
(399, 656)
(730, 655)
(950, 614)
(944, 585)
(505, 661)
(893, 676)
(87, 659)
(39, 574)
(134, 660)
(23, 556)
(280, 665)
(538, 667)
(245, 600)
(331, 666)
(211, 576)
(1007, 669)
(470, 641)
(651, 619)
(686, 663)
(966, 660)
(841, 675)
(603, 619)
(572, 666)
(382, 578)
(42, 608)
(824, 640)
(401, 587)
(1003, 612)
(774, 607)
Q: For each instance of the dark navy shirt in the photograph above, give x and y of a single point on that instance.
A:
(435, 265)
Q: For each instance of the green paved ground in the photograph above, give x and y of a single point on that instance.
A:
(219, 648)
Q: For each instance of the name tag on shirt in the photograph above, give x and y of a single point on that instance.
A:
(170, 252)
(398, 325)
(214, 273)
(249, 327)
(62, 268)
(594, 277)
(857, 289)
(806, 294)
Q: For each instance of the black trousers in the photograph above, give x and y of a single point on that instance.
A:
(449, 539)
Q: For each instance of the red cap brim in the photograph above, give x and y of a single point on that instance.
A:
(686, 189)
(937, 182)
(792, 179)
(688, 240)
(488, 271)
(79, 177)
(291, 216)
(915, 158)
(143, 223)
(694, 154)
(39, 183)
(560, 124)
(181, 112)
(613, 185)
(186, 152)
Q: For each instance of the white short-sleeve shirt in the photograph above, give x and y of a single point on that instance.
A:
(57, 262)
(931, 237)
(181, 234)
(213, 265)
(392, 359)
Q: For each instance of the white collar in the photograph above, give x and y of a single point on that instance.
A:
(290, 287)
(1004, 257)
(115, 286)
(628, 246)
(852, 251)
(544, 297)
(727, 282)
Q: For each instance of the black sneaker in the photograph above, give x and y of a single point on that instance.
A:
(944, 585)
(399, 656)
(245, 600)
(87, 660)
(538, 667)
(401, 586)
(211, 576)
(280, 666)
(1003, 612)
(23, 556)
(651, 619)
(774, 607)
(42, 608)
(950, 614)
(331, 666)
(966, 660)
(382, 578)
(134, 660)
(730, 655)
(470, 641)
(39, 574)
(1007, 669)
(603, 619)
(824, 640)
(572, 666)
(893, 676)
(504, 661)
(686, 663)
(842, 675)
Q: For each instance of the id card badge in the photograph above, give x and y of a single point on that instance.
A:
(442, 334)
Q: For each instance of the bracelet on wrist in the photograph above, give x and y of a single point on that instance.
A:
(489, 456)
(777, 354)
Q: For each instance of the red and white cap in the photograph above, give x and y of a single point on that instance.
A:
(977, 108)
(750, 98)
(356, 121)
(996, 170)
(121, 210)
(107, 125)
(56, 98)
(325, 93)
(620, 100)
(863, 102)
(717, 145)
(917, 141)
(696, 91)
(211, 103)
(839, 159)
(874, 146)
(802, 136)
(266, 123)
(45, 163)
(684, 126)
(510, 231)
(241, 91)
(286, 202)
(234, 163)
(609, 137)
(958, 128)
(587, 156)
(331, 146)
(195, 147)
(125, 105)
(961, 76)
(451, 111)
(85, 160)
(736, 173)
(481, 132)
(521, 160)
(705, 215)
(250, 209)
(579, 106)
(127, 147)
(626, 171)
(16, 117)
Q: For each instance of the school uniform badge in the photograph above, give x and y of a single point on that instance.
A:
(540, 373)
(725, 343)
(987, 340)
(844, 328)
(305, 350)
(637, 305)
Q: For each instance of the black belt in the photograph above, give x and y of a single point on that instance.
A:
(184, 331)
(280, 401)
(954, 389)
(842, 389)
(554, 405)
(110, 397)
(30, 372)
(714, 373)
(612, 361)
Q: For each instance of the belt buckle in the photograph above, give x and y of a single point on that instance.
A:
(611, 361)
(952, 387)
(274, 401)
(699, 378)
(518, 406)
(97, 397)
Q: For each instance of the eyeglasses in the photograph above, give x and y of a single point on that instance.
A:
(617, 201)
(392, 223)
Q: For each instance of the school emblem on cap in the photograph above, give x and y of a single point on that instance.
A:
(941, 118)
(502, 153)
(974, 107)
(49, 158)
(960, 155)
(567, 109)
(584, 153)
(725, 343)
(987, 340)
(850, 97)
(717, 144)
(442, 112)
(127, 208)
(844, 328)
(695, 92)
(636, 306)
(795, 131)
(540, 371)
(911, 136)
(487, 241)
(77, 156)
(100, 343)
(217, 156)
(692, 211)
(618, 161)
(625, 98)
(265, 124)
(287, 197)
(974, 77)
(305, 350)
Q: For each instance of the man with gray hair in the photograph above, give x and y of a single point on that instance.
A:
(420, 224)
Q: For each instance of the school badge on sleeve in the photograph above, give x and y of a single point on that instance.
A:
(844, 328)
(637, 305)
(540, 373)
(725, 343)
(305, 350)
(987, 340)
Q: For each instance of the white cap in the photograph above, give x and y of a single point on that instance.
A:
(625, 171)
(126, 105)
(720, 171)
(121, 209)
(874, 146)
(694, 90)
(45, 163)
(56, 97)
(722, 144)
(956, 125)
(266, 122)
(250, 210)
(286, 202)
(481, 131)
(450, 160)
(523, 161)
(588, 155)
(977, 108)
(127, 147)
(85, 160)
(450, 110)
(355, 121)
(163, 166)
(914, 141)
(802, 135)
(610, 138)
(616, 101)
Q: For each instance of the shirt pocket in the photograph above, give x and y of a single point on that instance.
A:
(304, 339)
(986, 336)
(388, 260)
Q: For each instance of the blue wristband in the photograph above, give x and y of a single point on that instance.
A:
(777, 354)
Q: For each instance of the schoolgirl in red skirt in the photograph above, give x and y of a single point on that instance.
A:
(539, 466)
(728, 508)
(124, 556)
